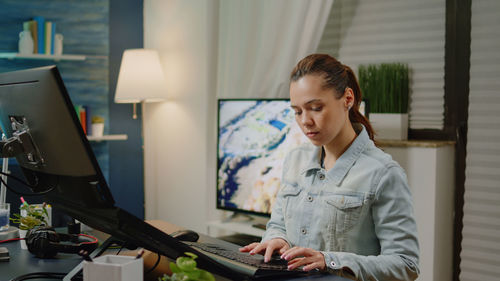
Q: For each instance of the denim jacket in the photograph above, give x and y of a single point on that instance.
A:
(359, 214)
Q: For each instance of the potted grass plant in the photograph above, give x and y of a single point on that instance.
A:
(386, 87)
(30, 216)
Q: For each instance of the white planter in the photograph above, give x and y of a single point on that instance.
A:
(97, 129)
(393, 126)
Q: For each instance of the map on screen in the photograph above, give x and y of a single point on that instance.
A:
(254, 137)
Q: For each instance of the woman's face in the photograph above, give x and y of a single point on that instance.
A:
(320, 115)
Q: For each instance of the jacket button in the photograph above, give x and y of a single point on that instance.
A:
(309, 198)
(321, 176)
(303, 231)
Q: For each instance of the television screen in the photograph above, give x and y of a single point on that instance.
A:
(254, 136)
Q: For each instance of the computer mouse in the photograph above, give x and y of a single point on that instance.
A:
(186, 235)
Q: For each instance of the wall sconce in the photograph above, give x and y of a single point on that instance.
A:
(140, 79)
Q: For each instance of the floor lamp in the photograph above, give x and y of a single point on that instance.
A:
(140, 80)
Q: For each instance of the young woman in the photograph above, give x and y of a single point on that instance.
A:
(344, 205)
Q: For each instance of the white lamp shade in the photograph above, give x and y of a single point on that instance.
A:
(141, 77)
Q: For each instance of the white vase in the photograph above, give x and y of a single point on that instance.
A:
(97, 129)
(390, 126)
(58, 44)
(22, 235)
(26, 44)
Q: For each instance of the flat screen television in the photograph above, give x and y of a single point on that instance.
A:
(254, 136)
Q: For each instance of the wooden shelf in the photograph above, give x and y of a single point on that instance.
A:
(107, 138)
(42, 56)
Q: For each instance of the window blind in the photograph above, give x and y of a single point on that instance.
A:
(381, 31)
(481, 221)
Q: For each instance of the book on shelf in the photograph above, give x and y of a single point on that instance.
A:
(48, 37)
(40, 29)
(88, 121)
(83, 113)
(52, 37)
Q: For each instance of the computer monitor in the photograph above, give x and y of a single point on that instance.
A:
(57, 159)
(254, 136)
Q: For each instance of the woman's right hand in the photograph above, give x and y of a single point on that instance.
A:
(268, 248)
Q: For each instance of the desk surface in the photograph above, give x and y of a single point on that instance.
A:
(23, 262)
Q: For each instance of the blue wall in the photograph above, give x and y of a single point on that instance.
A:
(125, 158)
(84, 25)
(102, 28)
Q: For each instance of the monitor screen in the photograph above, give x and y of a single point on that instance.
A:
(254, 136)
(57, 159)
(36, 101)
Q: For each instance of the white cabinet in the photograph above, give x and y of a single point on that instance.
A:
(430, 167)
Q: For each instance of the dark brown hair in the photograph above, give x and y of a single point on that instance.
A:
(336, 76)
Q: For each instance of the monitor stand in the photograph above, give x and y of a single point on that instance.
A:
(240, 217)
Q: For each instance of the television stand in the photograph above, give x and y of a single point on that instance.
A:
(237, 223)
(235, 216)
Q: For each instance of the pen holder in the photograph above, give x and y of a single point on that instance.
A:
(113, 268)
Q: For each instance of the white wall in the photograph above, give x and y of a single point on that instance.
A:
(178, 134)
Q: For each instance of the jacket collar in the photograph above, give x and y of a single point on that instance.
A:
(345, 161)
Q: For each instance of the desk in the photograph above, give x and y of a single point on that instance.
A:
(23, 262)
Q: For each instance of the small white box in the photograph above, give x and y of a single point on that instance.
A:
(113, 268)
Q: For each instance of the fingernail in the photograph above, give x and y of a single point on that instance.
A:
(266, 259)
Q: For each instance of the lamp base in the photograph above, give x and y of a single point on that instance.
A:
(11, 233)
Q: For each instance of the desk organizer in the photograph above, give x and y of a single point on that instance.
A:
(113, 268)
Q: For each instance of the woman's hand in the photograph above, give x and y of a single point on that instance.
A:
(307, 257)
(268, 248)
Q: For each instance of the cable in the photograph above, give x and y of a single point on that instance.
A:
(121, 248)
(154, 266)
(25, 183)
(40, 275)
(9, 240)
(91, 237)
(15, 178)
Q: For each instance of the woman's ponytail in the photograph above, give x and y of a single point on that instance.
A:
(354, 115)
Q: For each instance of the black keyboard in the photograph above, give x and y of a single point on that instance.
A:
(276, 263)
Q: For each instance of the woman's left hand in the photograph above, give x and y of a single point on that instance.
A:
(307, 257)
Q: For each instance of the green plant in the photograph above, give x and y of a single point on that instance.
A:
(184, 269)
(97, 119)
(385, 86)
(32, 216)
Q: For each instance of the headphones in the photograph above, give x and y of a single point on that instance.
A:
(44, 242)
